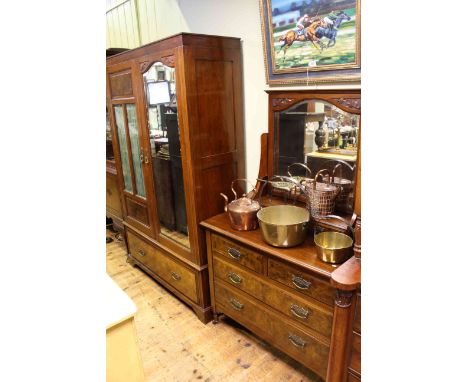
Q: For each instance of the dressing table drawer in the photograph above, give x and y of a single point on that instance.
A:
(238, 253)
(294, 341)
(315, 316)
(300, 281)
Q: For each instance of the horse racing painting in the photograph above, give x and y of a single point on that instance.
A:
(311, 41)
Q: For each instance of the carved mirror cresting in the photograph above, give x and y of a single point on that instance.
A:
(309, 134)
(166, 156)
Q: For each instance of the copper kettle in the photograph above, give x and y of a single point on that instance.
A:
(242, 211)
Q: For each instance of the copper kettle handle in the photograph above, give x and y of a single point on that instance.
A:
(235, 180)
(320, 173)
(298, 164)
(338, 166)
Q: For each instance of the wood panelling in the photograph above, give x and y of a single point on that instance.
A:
(122, 25)
(355, 362)
(357, 315)
(121, 84)
(137, 211)
(113, 195)
(215, 180)
(215, 107)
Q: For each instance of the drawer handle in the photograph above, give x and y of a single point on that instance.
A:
(299, 312)
(297, 341)
(175, 276)
(236, 279)
(141, 252)
(234, 253)
(300, 283)
(236, 304)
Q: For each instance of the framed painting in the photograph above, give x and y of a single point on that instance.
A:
(311, 41)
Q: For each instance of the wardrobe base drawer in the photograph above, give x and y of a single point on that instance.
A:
(164, 265)
(178, 275)
(142, 251)
(273, 327)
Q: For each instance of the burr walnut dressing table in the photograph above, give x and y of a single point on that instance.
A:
(305, 307)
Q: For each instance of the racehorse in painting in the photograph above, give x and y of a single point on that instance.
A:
(314, 32)
(331, 32)
(309, 35)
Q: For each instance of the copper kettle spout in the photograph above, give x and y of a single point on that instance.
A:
(226, 201)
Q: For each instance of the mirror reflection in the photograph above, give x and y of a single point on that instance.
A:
(320, 136)
(166, 156)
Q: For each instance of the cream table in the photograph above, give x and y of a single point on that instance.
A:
(123, 360)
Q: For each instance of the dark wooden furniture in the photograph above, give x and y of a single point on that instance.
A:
(305, 307)
(209, 121)
(113, 205)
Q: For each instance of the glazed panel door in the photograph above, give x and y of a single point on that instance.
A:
(129, 146)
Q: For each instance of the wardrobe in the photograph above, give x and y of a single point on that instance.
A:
(176, 114)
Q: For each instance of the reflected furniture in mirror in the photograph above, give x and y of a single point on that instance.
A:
(305, 307)
(177, 120)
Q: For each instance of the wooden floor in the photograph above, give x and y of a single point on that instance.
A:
(176, 346)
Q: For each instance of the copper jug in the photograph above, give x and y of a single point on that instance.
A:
(242, 211)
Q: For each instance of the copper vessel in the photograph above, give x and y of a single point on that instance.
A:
(242, 211)
(320, 196)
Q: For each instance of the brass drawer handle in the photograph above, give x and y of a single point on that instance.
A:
(141, 253)
(299, 312)
(300, 283)
(236, 304)
(297, 341)
(234, 253)
(175, 276)
(236, 279)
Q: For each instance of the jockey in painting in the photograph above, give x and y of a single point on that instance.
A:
(330, 19)
(303, 23)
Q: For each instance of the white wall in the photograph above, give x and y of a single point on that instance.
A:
(237, 18)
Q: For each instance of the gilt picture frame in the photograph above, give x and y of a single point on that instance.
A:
(310, 42)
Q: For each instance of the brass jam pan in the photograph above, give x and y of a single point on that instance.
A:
(283, 225)
(334, 247)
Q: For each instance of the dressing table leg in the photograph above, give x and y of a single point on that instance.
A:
(341, 336)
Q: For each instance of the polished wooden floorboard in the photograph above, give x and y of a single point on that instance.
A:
(176, 346)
